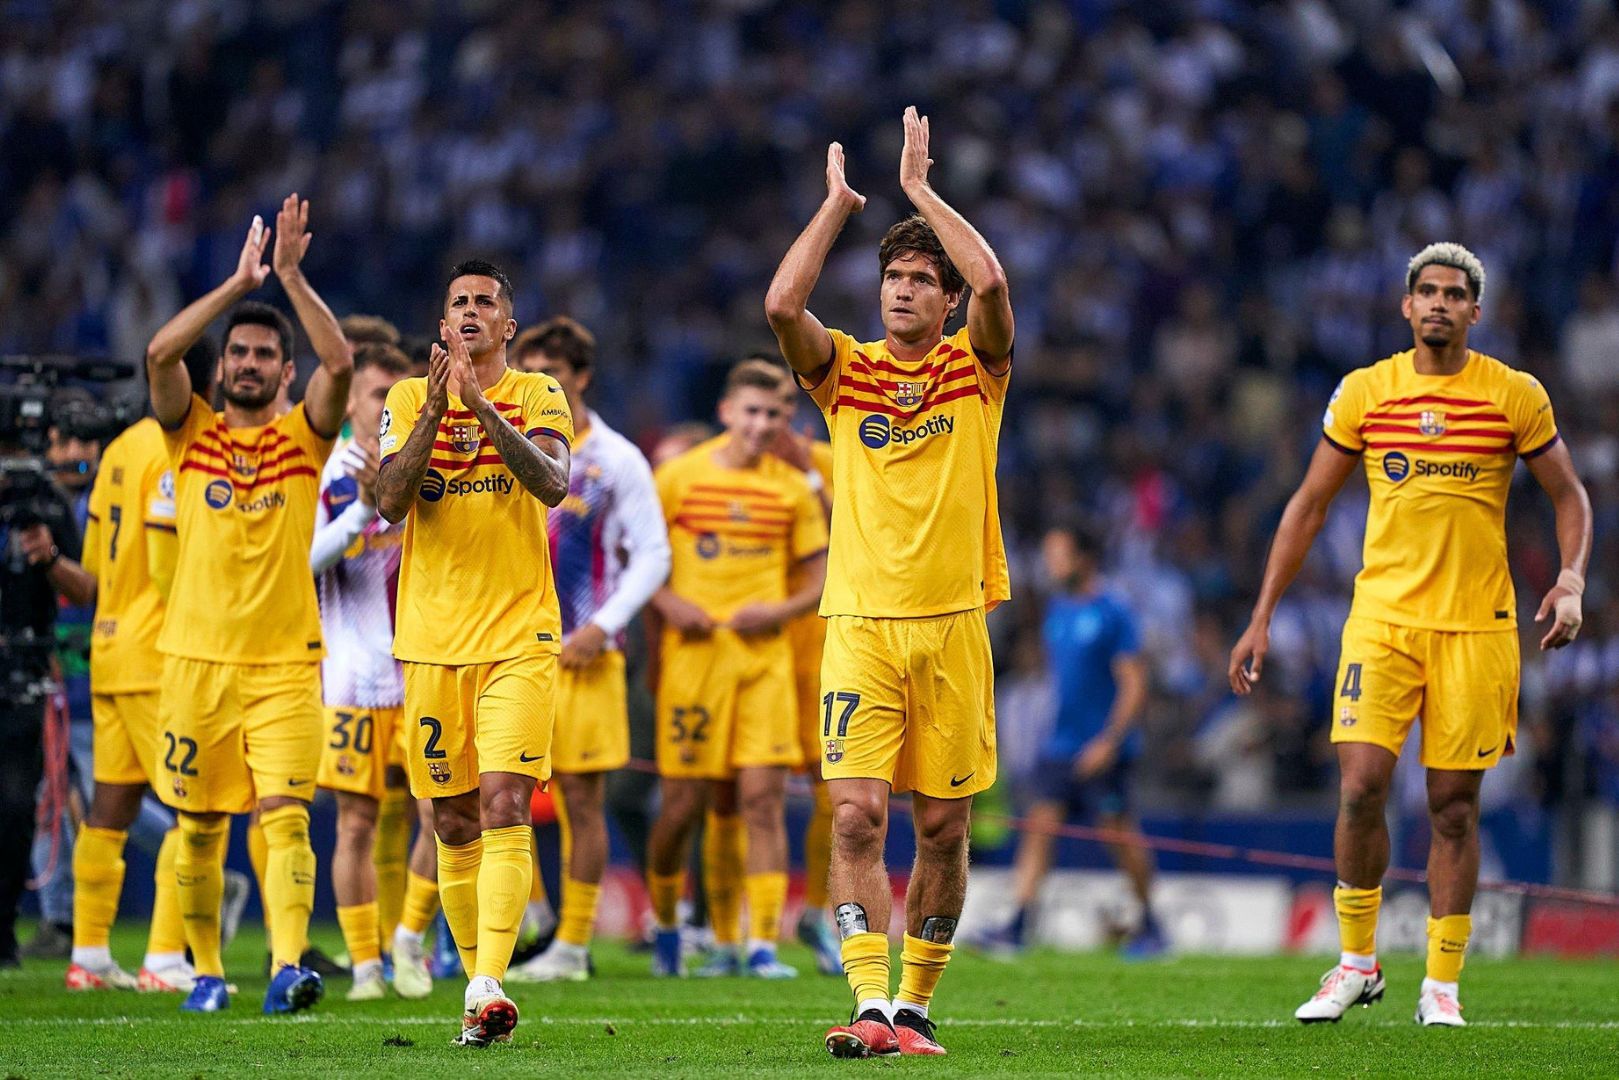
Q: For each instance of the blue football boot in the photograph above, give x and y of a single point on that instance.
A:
(293, 989)
(208, 994)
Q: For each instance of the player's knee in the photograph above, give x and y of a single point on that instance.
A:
(456, 821)
(762, 805)
(942, 838)
(858, 823)
(1454, 819)
(505, 807)
(1361, 799)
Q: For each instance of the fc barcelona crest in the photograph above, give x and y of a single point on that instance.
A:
(1432, 422)
(439, 771)
(834, 751)
(464, 438)
(907, 394)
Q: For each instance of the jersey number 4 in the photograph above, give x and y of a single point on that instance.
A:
(1351, 687)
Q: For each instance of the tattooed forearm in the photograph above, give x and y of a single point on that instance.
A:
(545, 477)
(401, 476)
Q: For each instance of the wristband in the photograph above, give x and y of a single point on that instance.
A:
(50, 560)
(1573, 582)
(817, 482)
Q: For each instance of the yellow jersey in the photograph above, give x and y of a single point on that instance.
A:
(1439, 453)
(735, 535)
(131, 504)
(917, 529)
(475, 583)
(244, 503)
(808, 631)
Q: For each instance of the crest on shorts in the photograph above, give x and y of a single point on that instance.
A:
(1346, 716)
(907, 394)
(345, 765)
(179, 788)
(1432, 422)
(464, 438)
(834, 751)
(439, 771)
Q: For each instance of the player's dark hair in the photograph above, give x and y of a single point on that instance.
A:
(561, 337)
(1086, 537)
(915, 236)
(368, 330)
(389, 358)
(202, 361)
(482, 268)
(760, 374)
(254, 313)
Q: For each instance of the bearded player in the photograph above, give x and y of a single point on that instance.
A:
(1432, 631)
(472, 455)
(907, 694)
(240, 710)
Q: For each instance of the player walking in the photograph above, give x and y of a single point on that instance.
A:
(473, 453)
(916, 561)
(610, 552)
(240, 706)
(355, 557)
(741, 522)
(1432, 630)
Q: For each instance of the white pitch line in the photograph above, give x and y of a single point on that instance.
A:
(731, 1021)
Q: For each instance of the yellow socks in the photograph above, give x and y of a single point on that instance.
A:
(98, 879)
(767, 896)
(390, 854)
(1357, 924)
(578, 912)
(865, 962)
(289, 886)
(258, 853)
(724, 848)
(1447, 946)
(921, 964)
(503, 888)
(458, 892)
(817, 848)
(168, 934)
(664, 890)
(360, 933)
(421, 903)
(199, 873)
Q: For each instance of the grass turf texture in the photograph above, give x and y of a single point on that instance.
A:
(1048, 1014)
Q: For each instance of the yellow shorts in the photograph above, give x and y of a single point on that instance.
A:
(231, 735)
(725, 703)
(909, 701)
(593, 717)
(479, 718)
(1463, 686)
(125, 737)
(808, 637)
(360, 745)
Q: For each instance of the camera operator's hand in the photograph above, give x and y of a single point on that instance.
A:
(38, 546)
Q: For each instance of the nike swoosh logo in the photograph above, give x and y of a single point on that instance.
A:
(523, 757)
(957, 783)
(1486, 753)
(296, 783)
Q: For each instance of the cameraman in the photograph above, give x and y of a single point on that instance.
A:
(39, 551)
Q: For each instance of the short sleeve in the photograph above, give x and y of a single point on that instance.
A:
(825, 393)
(666, 479)
(994, 386)
(91, 561)
(199, 418)
(157, 495)
(1346, 411)
(399, 415)
(296, 426)
(809, 522)
(546, 412)
(1530, 410)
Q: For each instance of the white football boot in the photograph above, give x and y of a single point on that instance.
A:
(1341, 989)
(1436, 1008)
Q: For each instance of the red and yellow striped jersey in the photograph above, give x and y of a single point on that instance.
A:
(133, 498)
(1439, 452)
(475, 582)
(736, 534)
(245, 511)
(917, 530)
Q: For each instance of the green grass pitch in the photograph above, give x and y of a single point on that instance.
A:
(1048, 1014)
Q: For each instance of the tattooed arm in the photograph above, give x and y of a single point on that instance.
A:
(540, 465)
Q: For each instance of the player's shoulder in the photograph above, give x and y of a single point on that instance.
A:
(412, 388)
(530, 382)
(615, 448)
(780, 474)
(1499, 374)
(1383, 373)
(695, 461)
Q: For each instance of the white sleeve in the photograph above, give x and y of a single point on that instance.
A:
(334, 537)
(645, 538)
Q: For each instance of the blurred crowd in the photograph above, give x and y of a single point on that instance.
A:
(1204, 206)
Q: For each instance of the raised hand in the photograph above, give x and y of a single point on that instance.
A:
(251, 269)
(463, 380)
(438, 379)
(837, 184)
(913, 160)
(365, 470)
(292, 236)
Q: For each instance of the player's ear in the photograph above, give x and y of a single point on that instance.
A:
(1405, 306)
(511, 329)
(1478, 313)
